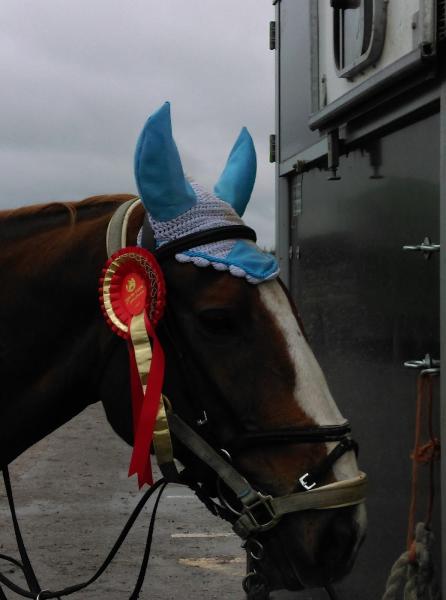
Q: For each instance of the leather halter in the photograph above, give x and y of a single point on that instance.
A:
(258, 512)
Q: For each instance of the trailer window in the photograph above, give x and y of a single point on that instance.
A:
(358, 34)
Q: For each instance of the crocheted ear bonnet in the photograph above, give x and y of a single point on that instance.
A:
(178, 206)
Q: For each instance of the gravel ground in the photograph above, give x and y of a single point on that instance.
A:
(73, 497)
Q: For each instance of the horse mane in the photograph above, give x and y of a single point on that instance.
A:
(70, 208)
(26, 221)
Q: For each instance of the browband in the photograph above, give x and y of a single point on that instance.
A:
(215, 234)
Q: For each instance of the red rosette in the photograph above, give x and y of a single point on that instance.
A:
(131, 282)
(132, 296)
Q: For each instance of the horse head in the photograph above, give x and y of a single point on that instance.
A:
(241, 375)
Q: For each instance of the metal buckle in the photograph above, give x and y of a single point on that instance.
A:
(305, 483)
(203, 420)
(261, 513)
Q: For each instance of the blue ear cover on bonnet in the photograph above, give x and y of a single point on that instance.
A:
(177, 207)
(237, 180)
(162, 186)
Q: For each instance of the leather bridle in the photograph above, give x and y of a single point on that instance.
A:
(257, 511)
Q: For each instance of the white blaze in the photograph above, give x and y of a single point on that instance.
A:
(311, 392)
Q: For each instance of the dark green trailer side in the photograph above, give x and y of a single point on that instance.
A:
(358, 178)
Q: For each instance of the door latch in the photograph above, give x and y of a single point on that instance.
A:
(426, 247)
(427, 365)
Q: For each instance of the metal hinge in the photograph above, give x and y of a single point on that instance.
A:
(272, 35)
(441, 20)
(272, 148)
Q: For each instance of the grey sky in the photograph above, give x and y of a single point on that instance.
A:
(79, 78)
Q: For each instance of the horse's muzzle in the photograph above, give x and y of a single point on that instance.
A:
(310, 549)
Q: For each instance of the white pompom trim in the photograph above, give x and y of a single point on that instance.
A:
(199, 261)
(219, 266)
(237, 271)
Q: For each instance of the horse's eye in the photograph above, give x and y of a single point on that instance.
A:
(218, 321)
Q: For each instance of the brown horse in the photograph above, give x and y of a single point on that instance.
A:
(236, 347)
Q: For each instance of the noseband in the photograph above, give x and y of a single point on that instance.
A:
(256, 512)
(259, 512)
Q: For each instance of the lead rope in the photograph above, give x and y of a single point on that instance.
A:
(414, 569)
(26, 568)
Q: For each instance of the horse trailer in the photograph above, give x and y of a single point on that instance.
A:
(360, 154)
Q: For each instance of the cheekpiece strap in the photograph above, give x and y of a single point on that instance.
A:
(116, 237)
(315, 476)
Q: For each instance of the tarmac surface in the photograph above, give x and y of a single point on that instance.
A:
(73, 497)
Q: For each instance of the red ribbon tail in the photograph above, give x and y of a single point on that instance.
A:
(140, 462)
(144, 471)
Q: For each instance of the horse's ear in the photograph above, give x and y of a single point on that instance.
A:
(238, 177)
(162, 186)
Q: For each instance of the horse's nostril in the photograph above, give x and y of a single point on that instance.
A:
(337, 543)
(315, 549)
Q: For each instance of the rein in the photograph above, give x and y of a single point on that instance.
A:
(36, 592)
(255, 512)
